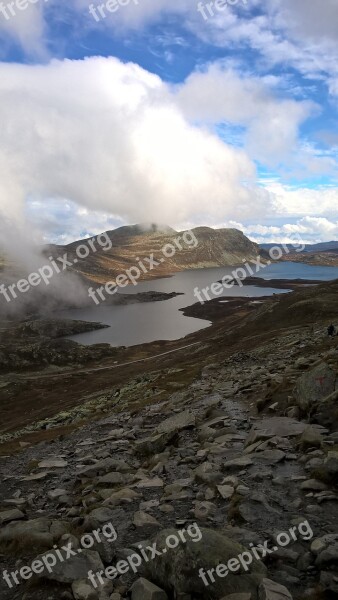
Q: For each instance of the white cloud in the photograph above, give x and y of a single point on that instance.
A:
(110, 138)
(313, 21)
(61, 221)
(309, 230)
(304, 201)
(219, 94)
(26, 27)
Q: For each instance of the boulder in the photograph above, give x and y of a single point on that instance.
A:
(11, 515)
(37, 534)
(313, 386)
(72, 568)
(310, 438)
(177, 422)
(330, 466)
(328, 556)
(180, 570)
(326, 413)
(154, 444)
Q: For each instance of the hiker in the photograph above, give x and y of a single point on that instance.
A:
(331, 330)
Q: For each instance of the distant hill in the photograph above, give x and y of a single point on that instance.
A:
(215, 248)
(321, 247)
(324, 254)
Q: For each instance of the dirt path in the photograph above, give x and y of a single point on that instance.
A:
(110, 367)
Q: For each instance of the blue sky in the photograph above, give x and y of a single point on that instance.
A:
(173, 112)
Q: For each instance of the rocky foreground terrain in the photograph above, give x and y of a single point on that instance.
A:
(246, 450)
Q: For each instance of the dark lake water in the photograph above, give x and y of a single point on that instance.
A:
(146, 322)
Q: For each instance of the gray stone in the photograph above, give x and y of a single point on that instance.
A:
(11, 515)
(104, 515)
(55, 494)
(83, 590)
(111, 479)
(178, 570)
(52, 464)
(143, 589)
(272, 456)
(280, 427)
(177, 422)
(237, 464)
(331, 465)
(328, 556)
(142, 519)
(36, 534)
(154, 444)
(226, 491)
(99, 468)
(310, 438)
(314, 385)
(73, 569)
(270, 590)
(208, 473)
(314, 485)
(329, 581)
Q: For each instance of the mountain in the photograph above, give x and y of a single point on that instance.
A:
(198, 248)
(321, 247)
(324, 254)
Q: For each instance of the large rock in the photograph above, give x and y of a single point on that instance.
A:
(275, 426)
(270, 590)
(179, 570)
(310, 438)
(11, 515)
(71, 569)
(145, 590)
(328, 556)
(331, 466)
(177, 422)
(154, 444)
(165, 433)
(207, 473)
(237, 464)
(37, 534)
(83, 590)
(315, 385)
(326, 413)
(100, 467)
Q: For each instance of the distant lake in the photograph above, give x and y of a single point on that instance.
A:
(147, 322)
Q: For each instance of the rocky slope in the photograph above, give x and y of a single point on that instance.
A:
(246, 451)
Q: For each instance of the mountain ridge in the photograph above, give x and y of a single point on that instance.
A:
(202, 247)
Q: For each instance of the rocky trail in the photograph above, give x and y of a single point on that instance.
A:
(246, 451)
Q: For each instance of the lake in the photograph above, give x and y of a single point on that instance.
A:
(147, 322)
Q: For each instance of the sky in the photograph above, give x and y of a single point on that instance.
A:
(179, 112)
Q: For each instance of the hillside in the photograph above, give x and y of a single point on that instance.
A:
(205, 247)
(324, 258)
(320, 247)
(323, 254)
